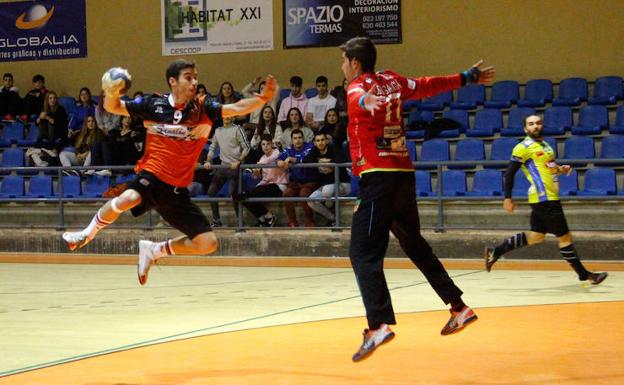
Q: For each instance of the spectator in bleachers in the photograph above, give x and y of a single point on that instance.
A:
(227, 95)
(268, 125)
(128, 142)
(103, 148)
(334, 128)
(537, 160)
(272, 184)
(256, 86)
(202, 91)
(80, 153)
(340, 93)
(84, 108)
(295, 122)
(233, 145)
(326, 153)
(10, 101)
(34, 100)
(318, 105)
(52, 133)
(296, 99)
(106, 121)
(301, 180)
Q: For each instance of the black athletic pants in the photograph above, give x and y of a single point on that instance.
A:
(387, 202)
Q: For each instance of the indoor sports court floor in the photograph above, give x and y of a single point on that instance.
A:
(92, 324)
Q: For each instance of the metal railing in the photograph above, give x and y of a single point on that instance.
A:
(439, 197)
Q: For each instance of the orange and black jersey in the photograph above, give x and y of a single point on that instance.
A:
(175, 135)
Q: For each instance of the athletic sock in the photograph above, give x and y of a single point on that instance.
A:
(162, 249)
(514, 242)
(569, 254)
(97, 224)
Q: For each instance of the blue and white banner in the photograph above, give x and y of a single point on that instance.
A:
(208, 26)
(326, 23)
(41, 30)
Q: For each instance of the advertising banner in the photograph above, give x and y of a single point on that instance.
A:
(209, 26)
(325, 23)
(41, 30)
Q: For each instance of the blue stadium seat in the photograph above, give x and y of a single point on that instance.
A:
(557, 120)
(423, 183)
(355, 186)
(568, 184)
(612, 148)
(436, 102)
(572, 91)
(599, 181)
(11, 134)
(592, 120)
(504, 94)
(501, 150)
(415, 116)
(411, 148)
(579, 147)
(487, 122)
(72, 187)
(30, 138)
(618, 127)
(521, 185)
(469, 97)
(607, 90)
(12, 186)
(461, 117)
(537, 93)
(40, 186)
(125, 178)
(468, 150)
(95, 186)
(12, 157)
(68, 103)
(487, 183)
(434, 150)
(553, 143)
(311, 92)
(515, 121)
(410, 105)
(453, 183)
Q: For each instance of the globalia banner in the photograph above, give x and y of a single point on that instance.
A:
(326, 23)
(41, 30)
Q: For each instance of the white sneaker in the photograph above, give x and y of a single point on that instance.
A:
(104, 173)
(146, 259)
(75, 240)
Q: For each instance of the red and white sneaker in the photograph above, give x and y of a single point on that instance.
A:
(373, 339)
(459, 320)
(146, 259)
(75, 240)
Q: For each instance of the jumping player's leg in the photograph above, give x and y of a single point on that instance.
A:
(106, 215)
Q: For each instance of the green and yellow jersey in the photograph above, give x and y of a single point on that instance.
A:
(540, 168)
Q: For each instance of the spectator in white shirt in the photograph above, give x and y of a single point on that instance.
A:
(318, 105)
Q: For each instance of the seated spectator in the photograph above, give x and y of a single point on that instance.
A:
(255, 152)
(340, 93)
(52, 133)
(34, 99)
(10, 101)
(318, 105)
(326, 153)
(202, 91)
(104, 147)
(296, 99)
(84, 108)
(106, 121)
(80, 153)
(295, 122)
(233, 145)
(227, 95)
(257, 86)
(268, 125)
(201, 176)
(272, 184)
(334, 128)
(129, 142)
(301, 181)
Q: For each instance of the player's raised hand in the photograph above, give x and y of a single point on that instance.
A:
(565, 169)
(509, 205)
(371, 102)
(478, 75)
(116, 81)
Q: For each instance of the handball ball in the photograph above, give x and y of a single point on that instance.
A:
(112, 77)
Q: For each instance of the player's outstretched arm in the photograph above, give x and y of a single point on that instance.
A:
(115, 83)
(247, 105)
(477, 74)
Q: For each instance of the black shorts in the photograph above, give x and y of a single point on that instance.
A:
(172, 203)
(548, 217)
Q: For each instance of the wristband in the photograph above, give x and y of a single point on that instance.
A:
(472, 75)
(361, 102)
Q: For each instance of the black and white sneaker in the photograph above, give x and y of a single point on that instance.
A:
(373, 339)
(490, 258)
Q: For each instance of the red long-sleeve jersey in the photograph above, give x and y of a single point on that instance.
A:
(377, 142)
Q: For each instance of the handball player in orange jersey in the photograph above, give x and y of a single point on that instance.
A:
(178, 125)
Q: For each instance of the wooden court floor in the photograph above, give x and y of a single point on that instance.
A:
(94, 325)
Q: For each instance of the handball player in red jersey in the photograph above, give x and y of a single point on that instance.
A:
(178, 125)
(387, 197)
